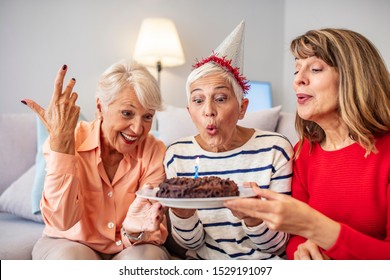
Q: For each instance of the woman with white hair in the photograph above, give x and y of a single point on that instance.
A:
(95, 168)
(215, 90)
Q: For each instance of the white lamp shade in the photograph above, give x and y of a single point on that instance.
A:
(158, 40)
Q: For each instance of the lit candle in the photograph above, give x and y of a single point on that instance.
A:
(196, 168)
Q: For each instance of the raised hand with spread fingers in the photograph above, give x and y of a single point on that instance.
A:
(61, 116)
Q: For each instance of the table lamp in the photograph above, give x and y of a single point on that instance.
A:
(158, 44)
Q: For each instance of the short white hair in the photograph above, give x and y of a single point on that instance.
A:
(129, 73)
(212, 68)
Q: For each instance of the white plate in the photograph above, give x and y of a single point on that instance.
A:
(193, 203)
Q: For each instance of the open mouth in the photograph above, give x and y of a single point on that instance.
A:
(128, 139)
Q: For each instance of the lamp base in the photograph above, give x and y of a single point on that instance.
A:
(159, 68)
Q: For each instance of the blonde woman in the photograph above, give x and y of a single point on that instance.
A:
(341, 172)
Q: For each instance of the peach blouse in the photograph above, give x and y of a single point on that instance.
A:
(80, 203)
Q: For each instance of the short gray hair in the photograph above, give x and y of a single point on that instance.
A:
(212, 68)
(129, 73)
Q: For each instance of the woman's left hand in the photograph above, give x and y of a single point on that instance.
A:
(309, 251)
(143, 216)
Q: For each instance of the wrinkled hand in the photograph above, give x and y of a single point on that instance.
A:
(143, 216)
(61, 116)
(309, 251)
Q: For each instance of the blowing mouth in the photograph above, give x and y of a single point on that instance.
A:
(303, 98)
(211, 129)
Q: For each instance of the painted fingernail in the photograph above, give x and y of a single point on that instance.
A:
(64, 67)
(158, 218)
(24, 102)
(73, 79)
(160, 207)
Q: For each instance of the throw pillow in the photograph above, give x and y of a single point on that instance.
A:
(266, 119)
(16, 198)
(40, 171)
(174, 123)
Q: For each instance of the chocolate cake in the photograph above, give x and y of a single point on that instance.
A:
(202, 187)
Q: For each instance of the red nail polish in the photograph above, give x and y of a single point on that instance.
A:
(24, 102)
(73, 79)
(64, 67)
(158, 218)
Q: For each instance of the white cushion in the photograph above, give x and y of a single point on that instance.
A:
(16, 199)
(18, 140)
(175, 122)
(266, 119)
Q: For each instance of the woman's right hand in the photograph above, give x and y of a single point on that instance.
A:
(61, 116)
(281, 212)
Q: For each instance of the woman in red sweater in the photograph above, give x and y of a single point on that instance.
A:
(340, 207)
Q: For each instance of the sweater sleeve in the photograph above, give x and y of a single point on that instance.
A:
(352, 244)
(292, 245)
(189, 232)
(267, 240)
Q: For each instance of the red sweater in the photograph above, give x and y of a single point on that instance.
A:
(352, 190)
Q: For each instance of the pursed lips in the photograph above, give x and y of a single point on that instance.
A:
(211, 129)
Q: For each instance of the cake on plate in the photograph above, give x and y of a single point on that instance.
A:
(202, 187)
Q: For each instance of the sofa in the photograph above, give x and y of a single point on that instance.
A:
(22, 172)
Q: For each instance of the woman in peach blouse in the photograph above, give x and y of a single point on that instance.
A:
(94, 170)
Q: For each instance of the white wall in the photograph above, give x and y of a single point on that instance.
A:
(368, 17)
(37, 37)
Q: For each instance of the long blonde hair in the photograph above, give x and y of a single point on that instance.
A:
(364, 89)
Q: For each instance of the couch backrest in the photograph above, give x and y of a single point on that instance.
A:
(286, 126)
(18, 146)
(175, 122)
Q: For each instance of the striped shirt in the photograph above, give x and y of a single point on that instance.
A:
(215, 233)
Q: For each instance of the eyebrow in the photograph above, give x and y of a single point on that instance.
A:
(128, 104)
(221, 87)
(195, 89)
(217, 87)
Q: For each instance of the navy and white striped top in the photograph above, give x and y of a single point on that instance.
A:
(215, 233)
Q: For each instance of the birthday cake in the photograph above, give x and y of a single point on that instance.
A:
(202, 187)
